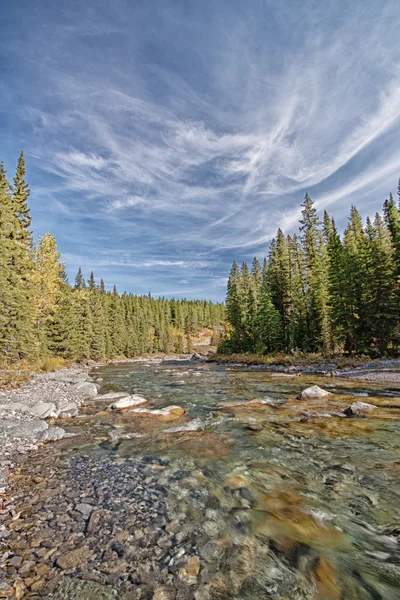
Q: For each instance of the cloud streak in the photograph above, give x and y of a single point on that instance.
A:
(194, 141)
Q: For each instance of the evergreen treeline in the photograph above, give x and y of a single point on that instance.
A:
(318, 291)
(42, 314)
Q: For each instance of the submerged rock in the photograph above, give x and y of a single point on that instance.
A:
(127, 403)
(74, 558)
(166, 414)
(359, 409)
(257, 402)
(312, 393)
(78, 589)
(286, 375)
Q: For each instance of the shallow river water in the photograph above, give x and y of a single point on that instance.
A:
(282, 500)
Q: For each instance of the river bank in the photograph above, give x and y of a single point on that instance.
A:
(377, 370)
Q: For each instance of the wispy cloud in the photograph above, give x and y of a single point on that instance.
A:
(194, 141)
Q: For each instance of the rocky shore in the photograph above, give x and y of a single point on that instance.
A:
(28, 415)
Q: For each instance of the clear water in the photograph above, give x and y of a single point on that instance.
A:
(311, 504)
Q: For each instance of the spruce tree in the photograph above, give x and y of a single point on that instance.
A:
(21, 193)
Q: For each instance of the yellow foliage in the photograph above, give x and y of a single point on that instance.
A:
(47, 278)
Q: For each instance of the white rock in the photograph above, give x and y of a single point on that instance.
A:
(86, 388)
(43, 410)
(359, 409)
(127, 403)
(67, 409)
(52, 434)
(84, 509)
(313, 392)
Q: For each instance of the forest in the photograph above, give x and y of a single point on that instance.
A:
(319, 291)
(41, 314)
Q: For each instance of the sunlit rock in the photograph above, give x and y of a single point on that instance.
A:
(127, 403)
(359, 409)
(312, 393)
(170, 413)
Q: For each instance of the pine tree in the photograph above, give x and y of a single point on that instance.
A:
(354, 281)
(80, 283)
(20, 327)
(21, 193)
(281, 286)
(380, 293)
(315, 261)
(268, 326)
(48, 281)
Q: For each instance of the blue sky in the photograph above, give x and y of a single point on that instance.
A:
(164, 139)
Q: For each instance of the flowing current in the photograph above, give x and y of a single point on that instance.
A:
(281, 499)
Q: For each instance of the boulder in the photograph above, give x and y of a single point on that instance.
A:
(359, 409)
(43, 410)
(67, 409)
(30, 430)
(312, 393)
(85, 388)
(127, 403)
(53, 434)
(170, 413)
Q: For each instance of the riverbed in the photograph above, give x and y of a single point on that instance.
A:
(279, 499)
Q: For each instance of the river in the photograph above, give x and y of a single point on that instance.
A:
(288, 499)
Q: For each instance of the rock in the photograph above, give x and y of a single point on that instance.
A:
(312, 393)
(257, 402)
(43, 410)
(193, 566)
(77, 589)
(178, 383)
(15, 561)
(74, 558)
(164, 593)
(86, 388)
(359, 409)
(24, 429)
(170, 413)
(6, 591)
(235, 482)
(53, 434)
(286, 375)
(127, 403)
(67, 409)
(84, 509)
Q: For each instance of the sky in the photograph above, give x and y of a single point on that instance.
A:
(165, 139)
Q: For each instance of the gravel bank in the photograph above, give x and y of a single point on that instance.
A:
(27, 414)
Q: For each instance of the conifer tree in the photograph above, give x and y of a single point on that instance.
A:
(21, 193)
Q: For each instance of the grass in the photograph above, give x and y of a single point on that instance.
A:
(281, 359)
(13, 375)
